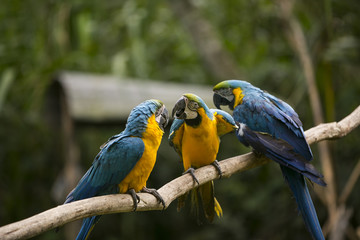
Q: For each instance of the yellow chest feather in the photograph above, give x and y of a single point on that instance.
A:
(138, 176)
(200, 144)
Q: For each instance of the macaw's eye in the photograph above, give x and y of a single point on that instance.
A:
(193, 106)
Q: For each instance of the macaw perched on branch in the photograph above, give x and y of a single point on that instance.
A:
(271, 127)
(125, 161)
(195, 136)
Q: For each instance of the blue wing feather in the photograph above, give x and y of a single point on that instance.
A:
(115, 160)
(224, 122)
(280, 120)
(175, 126)
(227, 117)
(279, 151)
(175, 136)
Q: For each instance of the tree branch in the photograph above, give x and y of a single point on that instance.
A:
(117, 203)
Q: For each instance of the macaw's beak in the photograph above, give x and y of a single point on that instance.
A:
(219, 100)
(164, 118)
(179, 109)
(223, 101)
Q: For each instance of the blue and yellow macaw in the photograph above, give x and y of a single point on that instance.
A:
(271, 127)
(195, 135)
(125, 161)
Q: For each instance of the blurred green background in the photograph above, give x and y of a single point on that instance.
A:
(199, 41)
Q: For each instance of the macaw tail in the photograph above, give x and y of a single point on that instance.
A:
(298, 186)
(209, 203)
(87, 226)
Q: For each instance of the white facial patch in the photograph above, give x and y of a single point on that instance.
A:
(229, 97)
(226, 93)
(158, 118)
(190, 114)
(241, 129)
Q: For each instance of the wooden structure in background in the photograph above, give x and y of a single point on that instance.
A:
(101, 98)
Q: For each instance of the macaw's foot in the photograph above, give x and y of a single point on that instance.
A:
(217, 167)
(191, 172)
(135, 197)
(155, 194)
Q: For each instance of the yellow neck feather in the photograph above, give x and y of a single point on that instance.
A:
(238, 96)
(153, 131)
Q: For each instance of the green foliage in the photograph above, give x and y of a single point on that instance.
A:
(144, 39)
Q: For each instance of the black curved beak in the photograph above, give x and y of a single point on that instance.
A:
(179, 109)
(220, 101)
(164, 119)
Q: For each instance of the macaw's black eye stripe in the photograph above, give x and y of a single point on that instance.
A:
(194, 122)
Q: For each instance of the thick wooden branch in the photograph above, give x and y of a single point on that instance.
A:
(117, 203)
(335, 129)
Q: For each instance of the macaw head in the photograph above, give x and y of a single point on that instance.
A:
(230, 93)
(190, 107)
(161, 114)
(140, 115)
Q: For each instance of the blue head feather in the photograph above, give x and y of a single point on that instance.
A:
(243, 85)
(139, 116)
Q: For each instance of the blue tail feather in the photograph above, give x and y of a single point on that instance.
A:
(298, 186)
(87, 226)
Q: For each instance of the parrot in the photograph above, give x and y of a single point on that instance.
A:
(195, 135)
(272, 128)
(125, 161)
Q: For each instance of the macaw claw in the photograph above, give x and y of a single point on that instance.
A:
(155, 194)
(191, 172)
(135, 197)
(217, 167)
